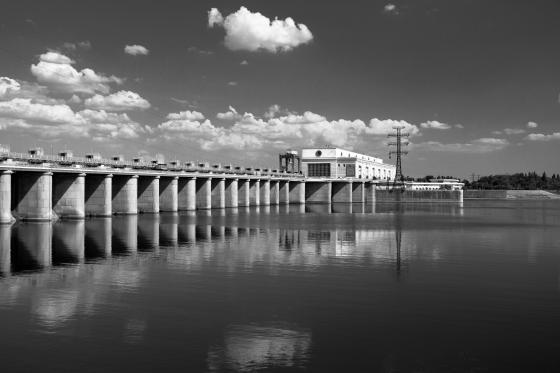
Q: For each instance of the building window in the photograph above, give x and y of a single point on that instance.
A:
(319, 169)
(351, 170)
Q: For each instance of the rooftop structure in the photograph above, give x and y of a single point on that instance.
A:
(341, 163)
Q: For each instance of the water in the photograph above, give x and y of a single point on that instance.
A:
(412, 288)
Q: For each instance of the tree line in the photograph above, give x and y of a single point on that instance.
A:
(520, 181)
(523, 181)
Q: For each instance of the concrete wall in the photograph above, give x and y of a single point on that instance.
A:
(168, 194)
(186, 190)
(484, 194)
(148, 194)
(6, 197)
(68, 196)
(358, 192)
(203, 194)
(315, 192)
(125, 194)
(341, 192)
(297, 192)
(369, 193)
(419, 196)
(32, 196)
(99, 195)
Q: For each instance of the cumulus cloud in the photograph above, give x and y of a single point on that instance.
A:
(231, 114)
(532, 125)
(244, 63)
(8, 85)
(73, 46)
(250, 31)
(250, 132)
(136, 50)
(55, 57)
(23, 108)
(186, 115)
(391, 9)
(56, 71)
(11, 88)
(513, 131)
(481, 145)
(54, 120)
(215, 17)
(119, 101)
(543, 137)
(434, 124)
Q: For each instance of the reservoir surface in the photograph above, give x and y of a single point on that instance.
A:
(472, 287)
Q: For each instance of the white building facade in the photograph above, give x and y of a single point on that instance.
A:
(435, 184)
(340, 163)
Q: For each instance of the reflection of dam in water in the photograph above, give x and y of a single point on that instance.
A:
(35, 246)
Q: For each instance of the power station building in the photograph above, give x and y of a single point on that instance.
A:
(340, 163)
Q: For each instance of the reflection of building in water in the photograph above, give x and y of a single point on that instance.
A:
(248, 348)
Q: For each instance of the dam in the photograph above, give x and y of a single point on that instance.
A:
(37, 187)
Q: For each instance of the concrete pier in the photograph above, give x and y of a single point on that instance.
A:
(99, 195)
(232, 191)
(341, 191)
(254, 192)
(284, 192)
(315, 192)
(297, 192)
(125, 194)
(203, 193)
(148, 194)
(168, 194)
(32, 196)
(244, 189)
(275, 192)
(6, 197)
(218, 193)
(265, 192)
(68, 196)
(186, 193)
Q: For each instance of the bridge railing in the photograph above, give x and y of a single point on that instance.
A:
(48, 160)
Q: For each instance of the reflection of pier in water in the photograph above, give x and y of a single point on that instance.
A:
(242, 237)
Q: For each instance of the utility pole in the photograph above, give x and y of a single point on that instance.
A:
(398, 182)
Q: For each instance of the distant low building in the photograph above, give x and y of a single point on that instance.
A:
(340, 163)
(435, 184)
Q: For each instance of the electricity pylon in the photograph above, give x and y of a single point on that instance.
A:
(398, 182)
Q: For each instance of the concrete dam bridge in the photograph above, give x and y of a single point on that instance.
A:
(43, 188)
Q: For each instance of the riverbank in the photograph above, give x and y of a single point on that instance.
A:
(510, 194)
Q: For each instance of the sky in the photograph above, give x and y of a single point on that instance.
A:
(475, 83)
